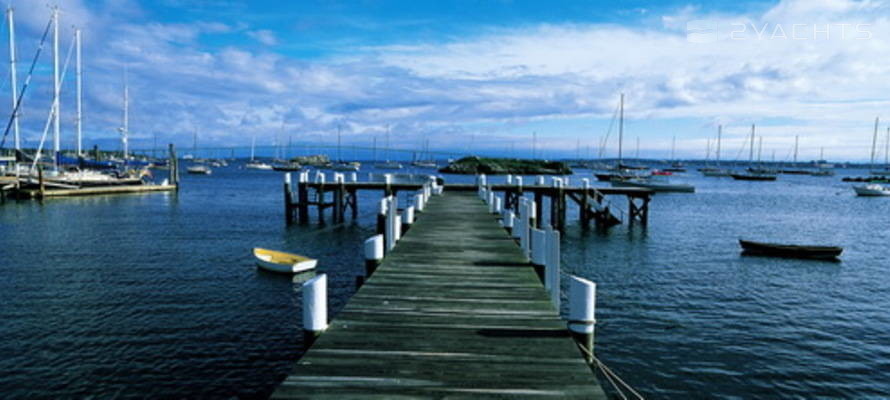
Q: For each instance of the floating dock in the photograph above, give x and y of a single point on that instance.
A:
(454, 310)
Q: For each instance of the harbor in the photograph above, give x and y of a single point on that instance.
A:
(393, 199)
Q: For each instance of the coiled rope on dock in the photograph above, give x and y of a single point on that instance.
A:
(617, 383)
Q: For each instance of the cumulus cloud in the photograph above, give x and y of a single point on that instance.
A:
(488, 87)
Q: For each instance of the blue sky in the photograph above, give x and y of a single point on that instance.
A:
(478, 76)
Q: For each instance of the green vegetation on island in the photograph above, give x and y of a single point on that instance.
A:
(501, 166)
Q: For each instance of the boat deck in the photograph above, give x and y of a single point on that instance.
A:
(455, 310)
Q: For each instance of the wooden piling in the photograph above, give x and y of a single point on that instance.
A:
(303, 199)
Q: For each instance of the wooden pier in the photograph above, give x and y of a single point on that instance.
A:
(592, 202)
(454, 310)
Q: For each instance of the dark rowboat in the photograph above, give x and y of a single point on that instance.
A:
(753, 177)
(791, 251)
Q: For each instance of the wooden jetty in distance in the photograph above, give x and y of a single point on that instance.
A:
(592, 202)
(455, 309)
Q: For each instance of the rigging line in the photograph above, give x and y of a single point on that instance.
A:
(55, 106)
(18, 104)
(605, 140)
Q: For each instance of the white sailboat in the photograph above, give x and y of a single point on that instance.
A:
(253, 163)
(717, 172)
(873, 189)
(340, 165)
(388, 164)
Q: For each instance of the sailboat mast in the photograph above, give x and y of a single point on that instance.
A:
(673, 146)
(708, 150)
(759, 149)
(126, 129)
(751, 155)
(79, 76)
(339, 159)
(719, 137)
(874, 143)
(620, 127)
(56, 90)
(796, 137)
(252, 147)
(12, 78)
(887, 148)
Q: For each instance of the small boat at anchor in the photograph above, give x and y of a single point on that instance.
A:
(872, 190)
(281, 262)
(199, 170)
(655, 185)
(790, 251)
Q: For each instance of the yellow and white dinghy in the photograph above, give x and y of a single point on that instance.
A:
(281, 262)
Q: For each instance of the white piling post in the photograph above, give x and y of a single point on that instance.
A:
(539, 249)
(315, 305)
(391, 212)
(582, 312)
(518, 181)
(497, 205)
(408, 216)
(524, 215)
(373, 254)
(509, 179)
(387, 179)
(546, 204)
(517, 220)
(553, 266)
(353, 177)
(540, 181)
(491, 198)
(508, 220)
(586, 183)
(482, 180)
(419, 202)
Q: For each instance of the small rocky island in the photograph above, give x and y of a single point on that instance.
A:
(501, 166)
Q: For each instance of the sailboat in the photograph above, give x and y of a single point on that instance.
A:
(428, 162)
(753, 174)
(253, 163)
(388, 164)
(620, 171)
(200, 168)
(795, 170)
(886, 171)
(676, 166)
(716, 172)
(340, 165)
(874, 189)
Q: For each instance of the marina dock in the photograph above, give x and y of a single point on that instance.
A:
(454, 310)
(592, 202)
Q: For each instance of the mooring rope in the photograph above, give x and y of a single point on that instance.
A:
(611, 376)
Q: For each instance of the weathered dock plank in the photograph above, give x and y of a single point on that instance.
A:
(453, 311)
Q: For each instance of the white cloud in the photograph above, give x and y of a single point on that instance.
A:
(828, 91)
(263, 36)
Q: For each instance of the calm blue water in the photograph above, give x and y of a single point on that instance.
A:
(157, 295)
